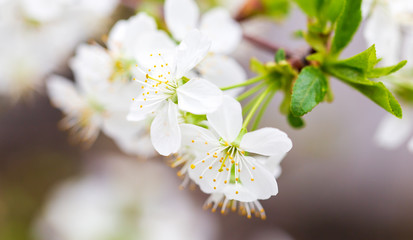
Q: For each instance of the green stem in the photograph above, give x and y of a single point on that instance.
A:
(246, 83)
(256, 106)
(249, 105)
(250, 92)
(262, 110)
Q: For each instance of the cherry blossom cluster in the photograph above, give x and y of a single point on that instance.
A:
(37, 37)
(152, 92)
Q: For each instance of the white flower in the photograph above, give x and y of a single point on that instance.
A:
(38, 35)
(123, 199)
(182, 16)
(393, 132)
(384, 27)
(94, 101)
(228, 164)
(167, 87)
(218, 199)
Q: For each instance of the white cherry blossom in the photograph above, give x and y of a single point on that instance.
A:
(168, 87)
(393, 132)
(228, 163)
(182, 16)
(38, 35)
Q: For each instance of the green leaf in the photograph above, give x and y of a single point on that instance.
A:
(280, 56)
(331, 9)
(276, 8)
(385, 71)
(365, 60)
(308, 91)
(379, 94)
(295, 122)
(310, 7)
(347, 25)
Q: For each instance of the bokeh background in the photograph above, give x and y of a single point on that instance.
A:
(336, 183)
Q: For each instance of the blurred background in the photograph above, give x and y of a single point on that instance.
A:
(336, 183)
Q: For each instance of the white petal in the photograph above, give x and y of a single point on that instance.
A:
(264, 185)
(63, 94)
(41, 10)
(117, 126)
(272, 163)
(92, 66)
(266, 141)
(223, 71)
(124, 34)
(191, 51)
(224, 32)
(244, 194)
(165, 132)
(141, 109)
(148, 48)
(131, 137)
(198, 96)
(198, 138)
(392, 132)
(204, 176)
(383, 31)
(227, 119)
(181, 16)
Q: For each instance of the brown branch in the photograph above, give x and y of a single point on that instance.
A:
(296, 61)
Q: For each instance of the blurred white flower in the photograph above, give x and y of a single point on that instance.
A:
(393, 132)
(225, 33)
(38, 35)
(123, 199)
(168, 86)
(94, 101)
(384, 27)
(232, 163)
(182, 16)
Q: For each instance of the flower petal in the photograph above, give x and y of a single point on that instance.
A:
(198, 96)
(227, 119)
(63, 94)
(198, 138)
(223, 71)
(224, 32)
(124, 34)
(141, 109)
(191, 51)
(154, 49)
(206, 174)
(383, 31)
(266, 141)
(91, 65)
(392, 132)
(165, 132)
(239, 192)
(272, 163)
(263, 184)
(181, 16)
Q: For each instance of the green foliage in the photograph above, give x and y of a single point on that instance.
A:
(276, 8)
(357, 72)
(347, 25)
(296, 122)
(308, 91)
(280, 56)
